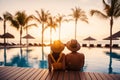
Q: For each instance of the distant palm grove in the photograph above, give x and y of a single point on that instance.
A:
(20, 20)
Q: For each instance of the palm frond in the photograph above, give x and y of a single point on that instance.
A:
(7, 16)
(21, 17)
(1, 18)
(30, 17)
(30, 26)
(116, 12)
(38, 16)
(15, 24)
(106, 7)
(100, 14)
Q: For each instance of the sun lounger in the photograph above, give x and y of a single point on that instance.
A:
(99, 45)
(84, 45)
(91, 45)
(107, 45)
(115, 45)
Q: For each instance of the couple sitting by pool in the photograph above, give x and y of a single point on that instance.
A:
(57, 60)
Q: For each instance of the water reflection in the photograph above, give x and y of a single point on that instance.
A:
(112, 55)
(19, 61)
(43, 64)
(5, 56)
(32, 57)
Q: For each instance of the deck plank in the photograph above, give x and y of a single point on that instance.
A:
(35, 75)
(93, 77)
(13, 73)
(50, 75)
(18, 73)
(24, 74)
(9, 72)
(39, 76)
(108, 76)
(71, 75)
(21, 72)
(97, 75)
(61, 75)
(77, 76)
(3, 69)
(115, 77)
(55, 75)
(66, 75)
(45, 75)
(30, 74)
(82, 76)
(87, 76)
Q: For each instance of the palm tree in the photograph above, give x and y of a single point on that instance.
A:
(42, 19)
(77, 14)
(6, 17)
(59, 19)
(26, 28)
(52, 24)
(111, 11)
(21, 20)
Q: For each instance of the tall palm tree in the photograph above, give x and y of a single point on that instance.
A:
(112, 11)
(52, 24)
(77, 14)
(26, 28)
(42, 19)
(59, 19)
(6, 17)
(19, 21)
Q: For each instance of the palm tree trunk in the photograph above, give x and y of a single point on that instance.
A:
(5, 43)
(27, 37)
(42, 42)
(4, 33)
(59, 30)
(75, 28)
(111, 25)
(20, 36)
(21, 40)
(50, 35)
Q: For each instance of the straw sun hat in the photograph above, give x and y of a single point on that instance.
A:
(73, 45)
(57, 46)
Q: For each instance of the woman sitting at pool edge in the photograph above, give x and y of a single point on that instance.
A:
(56, 59)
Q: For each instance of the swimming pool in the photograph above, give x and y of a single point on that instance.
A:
(96, 59)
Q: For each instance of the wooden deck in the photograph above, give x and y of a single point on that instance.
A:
(17, 73)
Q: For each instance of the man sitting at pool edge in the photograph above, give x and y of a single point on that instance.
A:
(74, 60)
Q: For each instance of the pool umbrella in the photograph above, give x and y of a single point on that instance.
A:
(113, 38)
(117, 34)
(7, 35)
(89, 39)
(28, 36)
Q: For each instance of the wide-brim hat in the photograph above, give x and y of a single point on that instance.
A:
(73, 45)
(57, 46)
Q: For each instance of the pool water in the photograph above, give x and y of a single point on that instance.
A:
(96, 59)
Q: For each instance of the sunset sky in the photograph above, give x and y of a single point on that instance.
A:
(97, 27)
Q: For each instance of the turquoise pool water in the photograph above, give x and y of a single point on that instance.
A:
(96, 59)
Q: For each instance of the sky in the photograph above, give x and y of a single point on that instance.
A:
(97, 27)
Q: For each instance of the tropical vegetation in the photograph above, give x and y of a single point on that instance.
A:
(78, 14)
(111, 11)
(42, 19)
